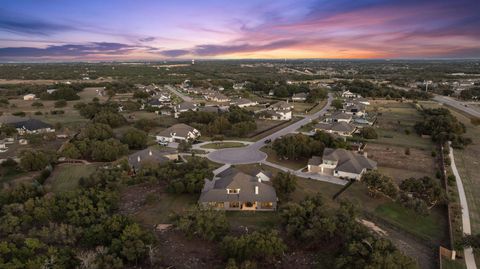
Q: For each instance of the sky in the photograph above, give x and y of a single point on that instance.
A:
(129, 30)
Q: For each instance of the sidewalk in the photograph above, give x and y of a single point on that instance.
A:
(468, 252)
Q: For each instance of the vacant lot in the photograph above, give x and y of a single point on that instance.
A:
(150, 204)
(292, 164)
(65, 177)
(395, 122)
(393, 161)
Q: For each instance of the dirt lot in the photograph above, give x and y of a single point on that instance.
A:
(394, 162)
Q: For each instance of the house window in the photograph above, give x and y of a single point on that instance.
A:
(268, 205)
(233, 191)
(216, 204)
(234, 204)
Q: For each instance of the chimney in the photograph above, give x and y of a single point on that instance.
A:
(138, 158)
(150, 152)
(259, 179)
(365, 154)
(256, 189)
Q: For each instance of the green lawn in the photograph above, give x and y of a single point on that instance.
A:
(221, 145)
(426, 227)
(456, 264)
(65, 176)
(256, 220)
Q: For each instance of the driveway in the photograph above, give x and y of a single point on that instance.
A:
(468, 252)
(457, 104)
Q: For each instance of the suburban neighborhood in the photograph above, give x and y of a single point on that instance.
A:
(239, 135)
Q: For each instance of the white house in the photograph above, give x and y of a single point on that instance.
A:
(341, 163)
(244, 102)
(29, 97)
(178, 132)
(349, 94)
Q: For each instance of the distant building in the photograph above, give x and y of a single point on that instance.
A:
(235, 190)
(32, 126)
(339, 116)
(29, 97)
(349, 94)
(244, 102)
(151, 156)
(339, 128)
(178, 132)
(300, 97)
(184, 107)
(341, 163)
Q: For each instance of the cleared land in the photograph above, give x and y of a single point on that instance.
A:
(65, 177)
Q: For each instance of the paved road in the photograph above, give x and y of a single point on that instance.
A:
(456, 104)
(468, 252)
(252, 153)
(179, 94)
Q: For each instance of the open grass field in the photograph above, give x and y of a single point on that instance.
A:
(394, 162)
(426, 227)
(255, 220)
(301, 107)
(222, 145)
(65, 176)
(394, 121)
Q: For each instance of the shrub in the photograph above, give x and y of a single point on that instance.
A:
(19, 114)
(368, 133)
(407, 151)
(38, 113)
(257, 245)
(207, 224)
(37, 104)
(60, 103)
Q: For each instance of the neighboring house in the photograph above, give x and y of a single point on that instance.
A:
(151, 156)
(184, 107)
(349, 94)
(32, 126)
(217, 97)
(279, 111)
(244, 102)
(341, 163)
(282, 105)
(339, 116)
(363, 101)
(50, 91)
(300, 97)
(339, 128)
(29, 97)
(355, 109)
(155, 103)
(211, 109)
(235, 190)
(275, 115)
(178, 132)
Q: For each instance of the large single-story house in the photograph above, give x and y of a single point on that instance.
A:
(340, 128)
(341, 163)
(217, 97)
(32, 126)
(244, 102)
(349, 94)
(355, 109)
(339, 116)
(151, 155)
(301, 97)
(184, 107)
(178, 132)
(235, 190)
(276, 115)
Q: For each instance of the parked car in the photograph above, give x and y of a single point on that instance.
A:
(163, 143)
(268, 141)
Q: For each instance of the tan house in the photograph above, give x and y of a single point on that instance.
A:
(235, 190)
(341, 163)
(339, 128)
(178, 132)
(151, 156)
